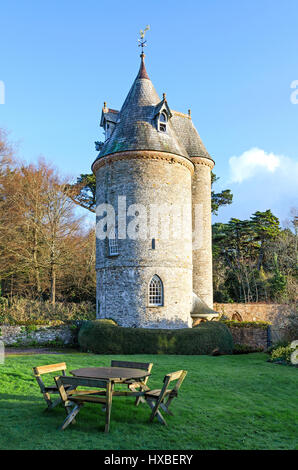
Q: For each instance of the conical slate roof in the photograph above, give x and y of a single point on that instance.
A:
(136, 125)
(136, 128)
(188, 135)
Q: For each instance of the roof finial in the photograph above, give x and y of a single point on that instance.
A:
(142, 42)
(142, 72)
(164, 96)
(189, 113)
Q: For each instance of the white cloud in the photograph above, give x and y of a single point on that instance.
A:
(260, 180)
(251, 162)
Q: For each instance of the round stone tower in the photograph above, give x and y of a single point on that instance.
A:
(145, 175)
(151, 169)
(201, 210)
(201, 221)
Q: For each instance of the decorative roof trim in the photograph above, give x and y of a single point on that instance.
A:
(161, 107)
(143, 154)
(203, 161)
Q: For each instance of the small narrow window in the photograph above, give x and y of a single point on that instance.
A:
(107, 131)
(156, 291)
(163, 122)
(113, 245)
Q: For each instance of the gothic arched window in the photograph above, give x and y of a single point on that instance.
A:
(163, 122)
(156, 291)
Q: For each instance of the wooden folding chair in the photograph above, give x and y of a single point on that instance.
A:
(156, 398)
(132, 384)
(79, 397)
(52, 389)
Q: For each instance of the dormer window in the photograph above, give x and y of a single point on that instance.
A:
(109, 118)
(163, 122)
(107, 130)
(109, 127)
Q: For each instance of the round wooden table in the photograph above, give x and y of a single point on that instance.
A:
(116, 374)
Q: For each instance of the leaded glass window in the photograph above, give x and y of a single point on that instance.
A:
(113, 245)
(156, 291)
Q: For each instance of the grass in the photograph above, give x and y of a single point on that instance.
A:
(226, 402)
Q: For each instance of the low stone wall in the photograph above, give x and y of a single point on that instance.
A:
(274, 314)
(251, 312)
(64, 335)
(250, 336)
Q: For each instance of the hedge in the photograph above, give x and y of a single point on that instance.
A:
(107, 338)
(245, 324)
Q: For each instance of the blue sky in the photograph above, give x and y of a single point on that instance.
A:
(231, 62)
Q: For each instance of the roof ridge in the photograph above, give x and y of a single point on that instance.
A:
(178, 113)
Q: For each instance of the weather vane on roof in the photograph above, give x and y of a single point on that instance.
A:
(142, 42)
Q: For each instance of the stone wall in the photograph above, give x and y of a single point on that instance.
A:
(201, 222)
(127, 302)
(41, 335)
(147, 182)
(272, 313)
(250, 336)
(66, 335)
(252, 312)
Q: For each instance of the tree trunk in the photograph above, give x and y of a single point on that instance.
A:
(36, 267)
(53, 284)
(11, 288)
(260, 258)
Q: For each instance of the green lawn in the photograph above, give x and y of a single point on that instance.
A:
(226, 402)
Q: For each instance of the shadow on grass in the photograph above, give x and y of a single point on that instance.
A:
(90, 418)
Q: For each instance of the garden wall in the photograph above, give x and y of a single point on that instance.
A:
(275, 314)
(67, 335)
(256, 338)
(250, 312)
(34, 335)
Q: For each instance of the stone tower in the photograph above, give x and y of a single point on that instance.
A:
(152, 179)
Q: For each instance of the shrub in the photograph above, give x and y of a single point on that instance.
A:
(245, 324)
(276, 345)
(103, 338)
(22, 311)
(281, 354)
(245, 349)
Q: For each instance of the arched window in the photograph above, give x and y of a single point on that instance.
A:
(236, 316)
(163, 122)
(155, 291)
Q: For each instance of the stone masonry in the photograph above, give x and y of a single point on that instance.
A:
(202, 253)
(152, 163)
(41, 334)
(145, 181)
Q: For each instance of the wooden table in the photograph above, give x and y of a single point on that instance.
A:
(117, 375)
